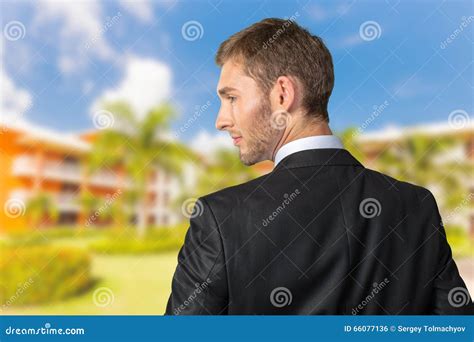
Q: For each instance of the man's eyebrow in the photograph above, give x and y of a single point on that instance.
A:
(225, 90)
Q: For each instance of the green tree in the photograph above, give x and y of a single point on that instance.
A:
(39, 206)
(350, 142)
(420, 159)
(222, 170)
(136, 147)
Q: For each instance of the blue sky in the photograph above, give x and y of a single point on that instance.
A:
(64, 66)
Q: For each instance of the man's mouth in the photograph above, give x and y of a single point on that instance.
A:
(236, 140)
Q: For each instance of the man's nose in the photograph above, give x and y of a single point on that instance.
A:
(223, 121)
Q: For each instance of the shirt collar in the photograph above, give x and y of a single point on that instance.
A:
(308, 143)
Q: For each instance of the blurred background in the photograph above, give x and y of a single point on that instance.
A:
(107, 132)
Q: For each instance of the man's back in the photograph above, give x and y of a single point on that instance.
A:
(320, 234)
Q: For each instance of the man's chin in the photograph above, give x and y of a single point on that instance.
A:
(247, 159)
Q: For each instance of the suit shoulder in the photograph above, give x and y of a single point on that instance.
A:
(234, 194)
(421, 193)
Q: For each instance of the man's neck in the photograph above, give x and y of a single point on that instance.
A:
(301, 131)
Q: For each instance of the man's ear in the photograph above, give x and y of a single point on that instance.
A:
(284, 94)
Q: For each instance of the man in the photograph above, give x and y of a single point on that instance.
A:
(320, 234)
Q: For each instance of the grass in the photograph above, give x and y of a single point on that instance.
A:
(140, 286)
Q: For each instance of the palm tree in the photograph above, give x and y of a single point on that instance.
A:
(135, 147)
(223, 170)
(39, 206)
(418, 159)
(88, 203)
(349, 140)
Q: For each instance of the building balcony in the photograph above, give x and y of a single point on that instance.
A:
(65, 171)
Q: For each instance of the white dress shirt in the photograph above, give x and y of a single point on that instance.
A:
(308, 143)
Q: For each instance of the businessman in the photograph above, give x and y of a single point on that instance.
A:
(320, 234)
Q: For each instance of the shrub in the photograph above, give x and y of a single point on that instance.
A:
(156, 240)
(39, 274)
(460, 242)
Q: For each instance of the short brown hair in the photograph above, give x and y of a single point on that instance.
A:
(275, 47)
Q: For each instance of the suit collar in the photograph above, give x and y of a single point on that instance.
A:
(320, 156)
(307, 143)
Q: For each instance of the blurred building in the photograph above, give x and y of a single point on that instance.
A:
(36, 160)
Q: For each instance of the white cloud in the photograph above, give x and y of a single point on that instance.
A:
(321, 13)
(14, 101)
(81, 31)
(208, 143)
(147, 82)
(317, 12)
(350, 41)
(413, 87)
(142, 9)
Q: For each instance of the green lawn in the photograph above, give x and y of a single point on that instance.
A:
(140, 285)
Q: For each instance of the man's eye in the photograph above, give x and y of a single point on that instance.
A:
(231, 99)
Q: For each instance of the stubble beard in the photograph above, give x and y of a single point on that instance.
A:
(260, 137)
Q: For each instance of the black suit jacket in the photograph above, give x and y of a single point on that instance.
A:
(320, 234)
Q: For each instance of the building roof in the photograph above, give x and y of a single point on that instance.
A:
(391, 133)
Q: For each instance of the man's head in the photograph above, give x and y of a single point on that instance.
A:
(275, 77)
